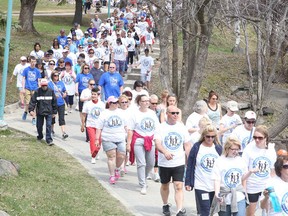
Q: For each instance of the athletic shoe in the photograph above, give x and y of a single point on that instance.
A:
(117, 174)
(93, 160)
(33, 121)
(50, 143)
(122, 173)
(143, 190)
(156, 177)
(64, 135)
(66, 113)
(125, 170)
(182, 212)
(97, 157)
(149, 177)
(112, 180)
(24, 116)
(166, 209)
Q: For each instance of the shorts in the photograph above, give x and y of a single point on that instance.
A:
(145, 77)
(80, 104)
(177, 174)
(61, 114)
(254, 197)
(120, 146)
(28, 95)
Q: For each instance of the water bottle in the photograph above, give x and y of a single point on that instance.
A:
(274, 200)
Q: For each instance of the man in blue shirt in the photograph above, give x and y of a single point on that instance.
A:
(112, 82)
(62, 38)
(30, 82)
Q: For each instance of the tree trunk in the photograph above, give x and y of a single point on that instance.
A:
(78, 12)
(175, 80)
(26, 16)
(279, 125)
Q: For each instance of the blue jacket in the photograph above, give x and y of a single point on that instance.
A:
(190, 170)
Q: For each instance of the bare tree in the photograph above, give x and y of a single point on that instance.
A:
(26, 16)
(78, 12)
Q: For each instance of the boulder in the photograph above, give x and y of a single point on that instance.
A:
(267, 111)
(8, 168)
(3, 213)
(237, 49)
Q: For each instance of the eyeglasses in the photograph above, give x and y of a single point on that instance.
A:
(234, 149)
(86, 68)
(92, 84)
(51, 64)
(250, 122)
(285, 166)
(111, 67)
(114, 102)
(91, 53)
(154, 103)
(210, 137)
(55, 75)
(173, 113)
(257, 137)
(124, 102)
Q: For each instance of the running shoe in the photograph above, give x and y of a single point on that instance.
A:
(24, 116)
(93, 160)
(166, 209)
(143, 190)
(33, 121)
(182, 212)
(65, 135)
(117, 174)
(112, 180)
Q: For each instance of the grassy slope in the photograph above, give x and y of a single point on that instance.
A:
(51, 182)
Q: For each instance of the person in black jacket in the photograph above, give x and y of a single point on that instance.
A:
(45, 102)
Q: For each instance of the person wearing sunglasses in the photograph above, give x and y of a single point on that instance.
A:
(201, 160)
(244, 132)
(228, 174)
(50, 69)
(91, 112)
(141, 128)
(280, 185)
(111, 126)
(260, 155)
(173, 143)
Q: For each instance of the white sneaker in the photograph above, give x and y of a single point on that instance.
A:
(93, 160)
(144, 190)
(149, 177)
(97, 157)
(156, 177)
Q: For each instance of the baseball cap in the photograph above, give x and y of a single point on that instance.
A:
(86, 32)
(23, 58)
(232, 105)
(65, 50)
(96, 60)
(43, 82)
(250, 115)
(112, 99)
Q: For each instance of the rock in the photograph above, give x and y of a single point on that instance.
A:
(8, 168)
(243, 105)
(237, 49)
(267, 111)
(3, 125)
(3, 213)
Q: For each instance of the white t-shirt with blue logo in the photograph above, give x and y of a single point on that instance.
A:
(230, 171)
(206, 158)
(93, 111)
(172, 138)
(264, 160)
(113, 125)
(244, 136)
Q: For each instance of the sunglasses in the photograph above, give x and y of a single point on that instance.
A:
(285, 166)
(257, 137)
(92, 84)
(234, 149)
(91, 53)
(61, 62)
(250, 122)
(173, 113)
(86, 68)
(51, 64)
(154, 103)
(124, 102)
(114, 102)
(111, 67)
(56, 75)
(210, 137)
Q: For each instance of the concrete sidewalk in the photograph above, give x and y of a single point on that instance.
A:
(126, 190)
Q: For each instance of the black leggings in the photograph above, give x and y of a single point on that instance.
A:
(130, 57)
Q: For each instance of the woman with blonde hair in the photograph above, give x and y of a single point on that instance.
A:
(164, 96)
(228, 173)
(171, 101)
(258, 154)
(201, 160)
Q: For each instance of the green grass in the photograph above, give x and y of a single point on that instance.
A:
(50, 182)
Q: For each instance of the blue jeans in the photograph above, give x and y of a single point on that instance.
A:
(39, 125)
(120, 65)
(241, 209)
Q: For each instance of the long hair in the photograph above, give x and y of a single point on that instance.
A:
(210, 128)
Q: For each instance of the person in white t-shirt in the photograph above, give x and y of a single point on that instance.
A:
(18, 72)
(173, 143)
(280, 185)
(141, 127)
(202, 124)
(229, 121)
(228, 173)
(261, 155)
(91, 112)
(244, 132)
(119, 55)
(201, 160)
(147, 63)
(112, 129)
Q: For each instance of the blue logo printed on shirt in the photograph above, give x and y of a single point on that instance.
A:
(263, 164)
(207, 162)
(284, 203)
(85, 81)
(232, 177)
(95, 112)
(173, 141)
(114, 122)
(67, 79)
(147, 124)
(31, 76)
